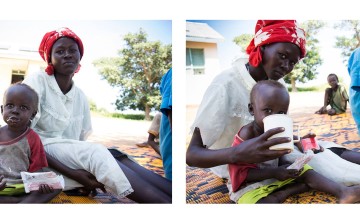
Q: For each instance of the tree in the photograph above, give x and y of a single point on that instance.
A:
(348, 44)
(243, 41)
(137, 72)
(305, 70)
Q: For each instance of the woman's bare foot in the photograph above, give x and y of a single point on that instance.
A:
(350, 194)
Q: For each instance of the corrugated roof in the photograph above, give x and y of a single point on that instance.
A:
(202, 32)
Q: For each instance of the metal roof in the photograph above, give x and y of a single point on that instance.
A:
(202, 32)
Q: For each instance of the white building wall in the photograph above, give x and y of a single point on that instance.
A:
(197, 84)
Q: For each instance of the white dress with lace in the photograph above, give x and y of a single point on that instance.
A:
(63, 123)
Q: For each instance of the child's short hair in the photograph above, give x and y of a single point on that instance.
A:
(333, 74)
(271, 83)
(34, 93)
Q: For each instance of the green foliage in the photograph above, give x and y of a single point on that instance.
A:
(348, 44)
(305, 70)
(306, 89)
(92, 105)
(137, 72)
(129, 116)
(243, 41)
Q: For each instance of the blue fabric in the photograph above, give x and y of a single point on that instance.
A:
(165, 128)
(354, 90)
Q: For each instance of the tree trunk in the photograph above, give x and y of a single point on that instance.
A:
(147, 113)
(293, 86)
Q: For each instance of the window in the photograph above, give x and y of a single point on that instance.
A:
(195, 60)
(17, 75)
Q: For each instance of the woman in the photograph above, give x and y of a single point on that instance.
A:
(63, 123)
(273, 52)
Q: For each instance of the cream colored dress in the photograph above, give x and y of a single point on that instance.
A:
(63, 123)
(224, 110)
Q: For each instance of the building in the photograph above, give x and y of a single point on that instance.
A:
(15, 63)
(202, 62)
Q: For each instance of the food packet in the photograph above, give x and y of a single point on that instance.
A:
(32, 181)
(309, 144)
(302, 160)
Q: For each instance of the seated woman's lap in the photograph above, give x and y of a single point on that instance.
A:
(92, 157)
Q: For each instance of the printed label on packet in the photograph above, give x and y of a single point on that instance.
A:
(32, 181)
(301, 161)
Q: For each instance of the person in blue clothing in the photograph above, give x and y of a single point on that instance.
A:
(166, 123)
(354, 90)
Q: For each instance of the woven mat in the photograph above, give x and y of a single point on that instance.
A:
(145, 156)
(203, 187)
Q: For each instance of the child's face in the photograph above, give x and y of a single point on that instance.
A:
(333, 82)
(18, 107)
(268, 101)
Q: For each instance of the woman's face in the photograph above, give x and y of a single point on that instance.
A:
(279, 59)
(65, 56)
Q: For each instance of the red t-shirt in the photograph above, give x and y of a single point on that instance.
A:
(238, 171)
(24, 153)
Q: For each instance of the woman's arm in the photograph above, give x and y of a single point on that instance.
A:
(255, 150)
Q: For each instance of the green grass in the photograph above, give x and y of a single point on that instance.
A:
(320, 88)
(139, 117)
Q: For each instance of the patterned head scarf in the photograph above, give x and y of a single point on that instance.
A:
(48, 41)
(274, 31)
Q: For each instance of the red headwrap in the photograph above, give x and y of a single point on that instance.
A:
(48, 41)
(273, 31)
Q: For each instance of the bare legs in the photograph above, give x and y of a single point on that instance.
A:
(148, 186)
(343, 193)
(280, 195)
(33, 197)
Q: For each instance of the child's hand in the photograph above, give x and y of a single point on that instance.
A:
(283, 174)
(45, 188)
(309, 135)
(2, 182)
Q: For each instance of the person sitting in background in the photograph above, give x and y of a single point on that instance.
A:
(153, 138)
(335, 96)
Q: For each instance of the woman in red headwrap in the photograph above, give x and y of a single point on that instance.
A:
(273, 52)
(63, 122)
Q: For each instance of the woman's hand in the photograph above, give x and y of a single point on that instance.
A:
(257, 150)
(2, 182)
(88, 181)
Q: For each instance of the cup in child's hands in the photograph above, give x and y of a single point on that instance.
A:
(281, 120)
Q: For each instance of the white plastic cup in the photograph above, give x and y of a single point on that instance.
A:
(281, 120)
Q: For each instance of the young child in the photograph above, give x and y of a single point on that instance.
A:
(153, 138)
(271, 182)
(336, 97)
(20, 147)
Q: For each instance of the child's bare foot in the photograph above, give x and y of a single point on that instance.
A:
(350, 194)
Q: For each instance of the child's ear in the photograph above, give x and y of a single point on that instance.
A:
(251, 109)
